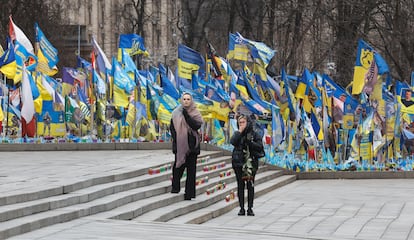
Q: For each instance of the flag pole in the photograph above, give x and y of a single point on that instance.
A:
(8, 107)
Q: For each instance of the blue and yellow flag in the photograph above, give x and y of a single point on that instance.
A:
(127, 64)
(123, 85)
(237, 48)
(166, 84)
(47, 55)
(364, 58)
(133, 44)
(217, 133)
(8, 61)
(259, 51)
(189, 61)
(367, 60)
(303, 84)
(121, 78)
(51, 122)
(23, 57)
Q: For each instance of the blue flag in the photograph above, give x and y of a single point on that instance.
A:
(133, 44)
(189, 61)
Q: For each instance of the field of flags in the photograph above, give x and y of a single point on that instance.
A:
(309, 122)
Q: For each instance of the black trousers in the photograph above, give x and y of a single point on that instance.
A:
(240, 188)
(190, 164)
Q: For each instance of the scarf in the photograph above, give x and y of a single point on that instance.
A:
(182, 129)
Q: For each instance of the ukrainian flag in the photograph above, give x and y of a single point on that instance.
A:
(303, 84)
(237, 48)
(259, 51)
(123, 85)
(47, 55)
(8, 61)
(364, 58)
(188, 61)
(133, 44)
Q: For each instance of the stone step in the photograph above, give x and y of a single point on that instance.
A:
(202, 200)
(137, 208)
(12, 211)
(148, 192)
(221, 207)
(41, 192)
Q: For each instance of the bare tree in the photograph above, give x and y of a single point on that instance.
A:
(394, 25)
(134, 16)
(195, 16)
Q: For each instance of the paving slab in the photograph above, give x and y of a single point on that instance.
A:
(362, 209)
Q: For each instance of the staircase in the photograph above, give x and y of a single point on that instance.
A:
(139, 195)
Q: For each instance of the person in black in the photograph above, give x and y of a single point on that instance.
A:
(185, 122)
(248, 147)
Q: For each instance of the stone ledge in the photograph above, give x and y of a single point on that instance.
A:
(98, 147)
(354, 175)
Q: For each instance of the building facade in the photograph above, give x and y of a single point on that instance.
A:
(107, 19)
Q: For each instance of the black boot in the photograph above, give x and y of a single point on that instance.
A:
(250, 212)
(242, 212)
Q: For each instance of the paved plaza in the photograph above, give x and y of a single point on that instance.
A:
(304, 209)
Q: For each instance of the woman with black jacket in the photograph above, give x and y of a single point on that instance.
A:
(185, 122)
(248, 147)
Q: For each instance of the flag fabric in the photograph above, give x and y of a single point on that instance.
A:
(8, 61)
(368, 65)
(36, 94)
(381, 64)
(17, 34)
(215, 60)
(371, 78)
(133, 44)
(278, 127)
(28, 108)
(50, 122)
(71, 114)
(68, 80)
(121, 78)
(82, 63)
(166, 84)
(217, 133)
(47, 87)
(364, 58)
(128, 64)
(47, 55)
(237, 48)
(303, 84)
(102, 62)
(23, 57)
(189, 61)
(316, 126)
(100, 83)
(258, 50)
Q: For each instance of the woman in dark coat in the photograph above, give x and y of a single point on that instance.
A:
(185, 122)
(248, 147)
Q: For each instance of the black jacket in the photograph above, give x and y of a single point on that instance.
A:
(240, 141)
(191, 139)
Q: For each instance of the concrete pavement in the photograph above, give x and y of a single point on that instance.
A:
(304, 209)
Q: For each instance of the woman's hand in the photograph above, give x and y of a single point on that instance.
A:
(242, 124)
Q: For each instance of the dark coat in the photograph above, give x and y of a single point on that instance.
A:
(191, 139)
(240, 141)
